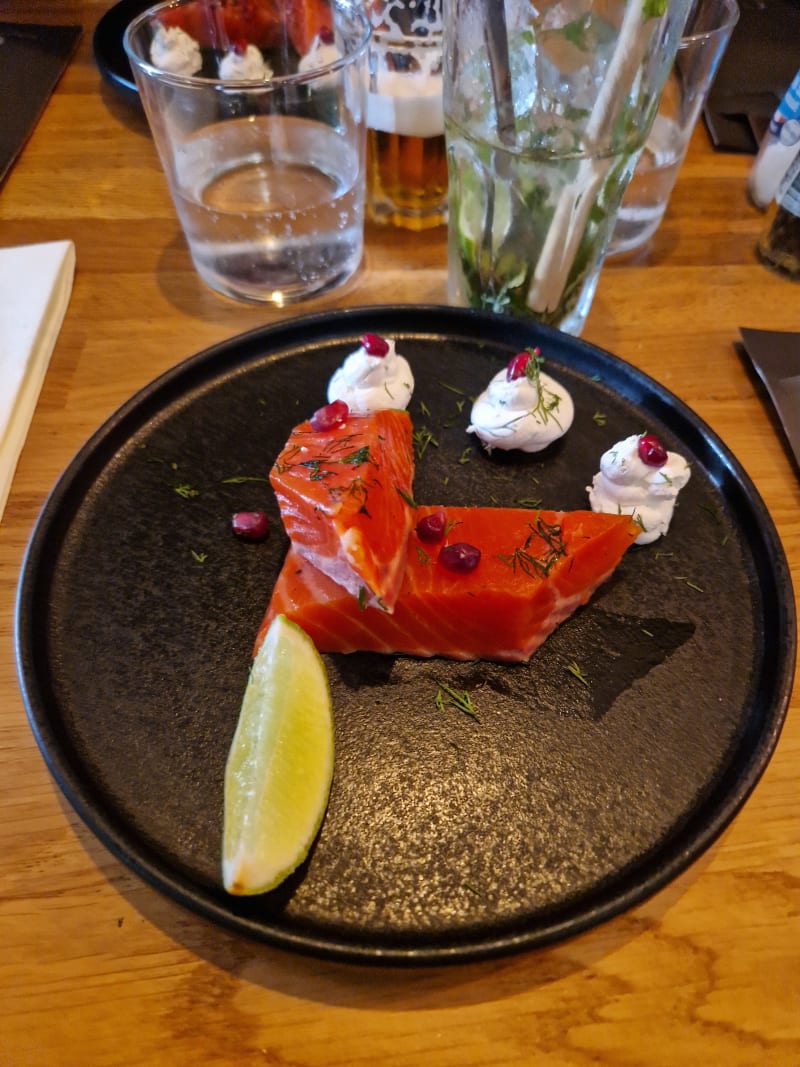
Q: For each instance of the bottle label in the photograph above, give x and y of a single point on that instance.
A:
(788, 196)
(784, 125)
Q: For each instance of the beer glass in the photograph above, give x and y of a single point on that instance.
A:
(406, 158)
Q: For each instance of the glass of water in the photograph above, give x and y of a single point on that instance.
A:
(259, 122)
(701, 48)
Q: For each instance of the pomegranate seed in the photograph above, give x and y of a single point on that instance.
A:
(516, 366)
(651, 451)
(239, 47)
(330, 416)
(374, 345)
(251, 525)
(460, 557)
(326, 35)
(431, 528)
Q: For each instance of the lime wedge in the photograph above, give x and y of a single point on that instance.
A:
(280, 765)
(472, 208)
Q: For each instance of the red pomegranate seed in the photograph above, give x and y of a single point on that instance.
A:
(516, 366)
(251, 525)
(431, 528)
(326, 35)
(330, 416)
(374, 345)
(239, 47)
(651, 451)
(460, 557)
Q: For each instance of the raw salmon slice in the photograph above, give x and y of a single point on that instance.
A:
(344, 498)
(535, 569)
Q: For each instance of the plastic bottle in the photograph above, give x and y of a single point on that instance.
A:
(778, 149)
(779, 243)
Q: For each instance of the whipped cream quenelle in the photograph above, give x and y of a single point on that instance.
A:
(639, 477)
(321, 52)
(522, 408)
(373, 378)
(175, 51)
(243, 64)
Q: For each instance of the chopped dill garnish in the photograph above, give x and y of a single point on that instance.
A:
(355, 459)
(527, 502)
(408, 499)
(470, 888)
(452, 388)
(446, 696)
(647, 633)
(537, 566)
(576, 672)
(422, 556)
(362, 598)
(240, 479)
(199, 557)
(186, 491)
(451, 525)
(466, 455)
(421, 438)
(424, 409)
(599, 418)
(712, 512)
(446, 479)
(689, 582)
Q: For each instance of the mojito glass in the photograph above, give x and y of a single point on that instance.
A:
(542, 139)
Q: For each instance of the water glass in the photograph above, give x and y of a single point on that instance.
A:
(259, 123)
(546, 110)
(407, 167)
(701, 48)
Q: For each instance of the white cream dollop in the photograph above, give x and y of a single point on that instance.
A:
(175, 51)
(526, 413)
(319, 55)
(626, 485)
(373, 383)
(249, 65)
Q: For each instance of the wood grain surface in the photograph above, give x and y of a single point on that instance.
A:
(99, 970)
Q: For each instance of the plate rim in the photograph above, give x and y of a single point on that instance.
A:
(210, 363)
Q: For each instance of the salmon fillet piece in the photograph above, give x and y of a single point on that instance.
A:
(535, 569)
(344, 499)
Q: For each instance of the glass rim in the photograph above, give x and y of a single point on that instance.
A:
(243, 84)
(726, 25)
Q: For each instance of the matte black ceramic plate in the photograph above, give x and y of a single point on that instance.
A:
(447, 837)
(109, 53)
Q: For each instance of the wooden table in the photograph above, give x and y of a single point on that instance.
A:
(98, 969)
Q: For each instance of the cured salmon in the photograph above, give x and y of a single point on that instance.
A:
(534, 569)
(345, 499)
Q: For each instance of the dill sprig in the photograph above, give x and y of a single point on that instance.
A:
(446, 696)
(551, 550)
(573, 669)
(421, 438)
(545, 408)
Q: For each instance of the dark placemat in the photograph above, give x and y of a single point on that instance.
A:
(32, 59)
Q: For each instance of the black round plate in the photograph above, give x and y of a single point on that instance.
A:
(109, 53)
(447, 836)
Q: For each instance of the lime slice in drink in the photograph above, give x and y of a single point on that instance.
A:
(472, 207)
(280, 765)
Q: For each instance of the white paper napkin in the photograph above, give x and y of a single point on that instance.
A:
(35, 287)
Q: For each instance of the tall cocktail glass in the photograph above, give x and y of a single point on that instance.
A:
(541, 148)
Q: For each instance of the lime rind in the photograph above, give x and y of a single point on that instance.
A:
(280, 764)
